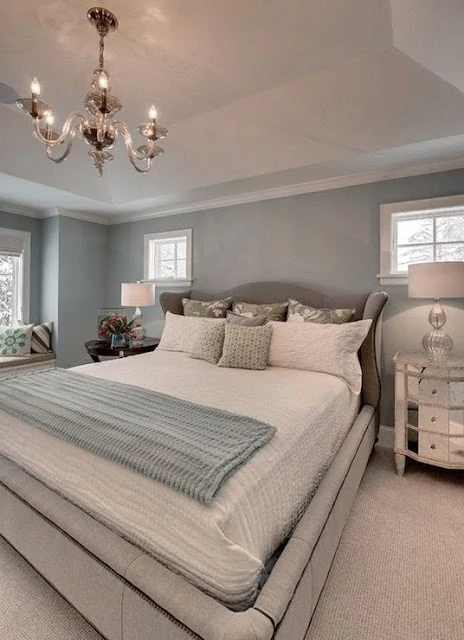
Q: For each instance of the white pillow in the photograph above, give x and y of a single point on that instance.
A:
(181, 332)
(329, 348)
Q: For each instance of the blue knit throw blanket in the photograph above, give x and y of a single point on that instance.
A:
(190, 447)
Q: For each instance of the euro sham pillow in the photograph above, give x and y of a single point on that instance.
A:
(209, 342)
(245, 321)
(275, 311)
(246, 347)
(298, 312)
(206, 309)
(181, 332)
(15, 341)
(327, 348)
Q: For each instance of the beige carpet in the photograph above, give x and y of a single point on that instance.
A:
(399, 570)
(398, 573)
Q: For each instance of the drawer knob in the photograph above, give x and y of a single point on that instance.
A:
(433, 446)
(434, 392)
(433, 419)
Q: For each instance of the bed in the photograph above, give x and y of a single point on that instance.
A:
(137, 588)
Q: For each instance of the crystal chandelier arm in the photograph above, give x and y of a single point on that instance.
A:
(65, 132)
(121, 128)
(69, 142)
(133, 155)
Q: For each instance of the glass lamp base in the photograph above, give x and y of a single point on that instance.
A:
(437, 344)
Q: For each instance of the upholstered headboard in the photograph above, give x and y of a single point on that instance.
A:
(367, 306)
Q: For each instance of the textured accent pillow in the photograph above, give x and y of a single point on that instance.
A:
(245, 347)
(180, 332)
(15, 341)
(245, 321)
(41, 341)
(206, 309)
(209, 342)
(298, 312)
(328, 348)
(274, 311)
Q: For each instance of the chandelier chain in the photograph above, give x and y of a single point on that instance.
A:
(101, 58)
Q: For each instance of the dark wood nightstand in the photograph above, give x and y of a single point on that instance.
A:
(98, 348)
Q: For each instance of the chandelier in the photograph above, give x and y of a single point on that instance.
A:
(97, 127)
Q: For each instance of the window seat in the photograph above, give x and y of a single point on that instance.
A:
(16, 365)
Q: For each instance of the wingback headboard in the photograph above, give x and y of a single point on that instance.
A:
(367, 306)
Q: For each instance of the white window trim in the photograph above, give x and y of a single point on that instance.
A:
(24, 282)
(168, 282)
(432, 205)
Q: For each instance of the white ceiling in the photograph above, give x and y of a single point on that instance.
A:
(261, 99)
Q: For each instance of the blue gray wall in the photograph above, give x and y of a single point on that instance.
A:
(73, 283)
(34, 226)
(327, 238)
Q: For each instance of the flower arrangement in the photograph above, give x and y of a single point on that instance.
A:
(115, 324)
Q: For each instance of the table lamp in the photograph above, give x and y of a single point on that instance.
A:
(436, 280)
(137, 294)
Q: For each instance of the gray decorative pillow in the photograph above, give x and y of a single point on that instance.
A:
(298, 312)
(208, 345)
(245, 321)
(275, 311)
(246, 347)
(206, 309)
(15, 341)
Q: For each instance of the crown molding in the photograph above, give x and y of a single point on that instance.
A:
(86, 216)
(285, 191)
(20, 210)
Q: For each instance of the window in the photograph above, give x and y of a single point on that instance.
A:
(168, 257)
(14, 276)
(419, 231)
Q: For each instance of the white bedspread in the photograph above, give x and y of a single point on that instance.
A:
(221, 547)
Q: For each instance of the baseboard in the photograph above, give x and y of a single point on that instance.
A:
(386, 436)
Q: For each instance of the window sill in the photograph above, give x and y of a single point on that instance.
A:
(392, 279)
(169, 284)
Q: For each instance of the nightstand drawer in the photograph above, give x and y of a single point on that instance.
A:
(434, 391)
(433, 419)
(433, 446)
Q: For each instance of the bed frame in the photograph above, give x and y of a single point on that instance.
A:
(128, 595)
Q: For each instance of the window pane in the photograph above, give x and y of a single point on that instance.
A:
(167, 251)
(181, 269)
(167, 269)
(414, 231)
(182, 250)
(411, 255)
(7, 288)
(450, 251)
(450, 228)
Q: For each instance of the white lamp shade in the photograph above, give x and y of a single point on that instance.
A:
(436, 280)
(137, 294)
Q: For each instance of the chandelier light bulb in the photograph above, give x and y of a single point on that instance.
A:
(35, 87)
(50, 119)
(152, 112)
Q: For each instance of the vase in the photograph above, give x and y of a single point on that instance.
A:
(119, 340)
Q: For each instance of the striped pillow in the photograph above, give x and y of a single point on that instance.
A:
(41, 341)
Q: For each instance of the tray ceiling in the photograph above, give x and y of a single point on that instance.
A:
(259, 97)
